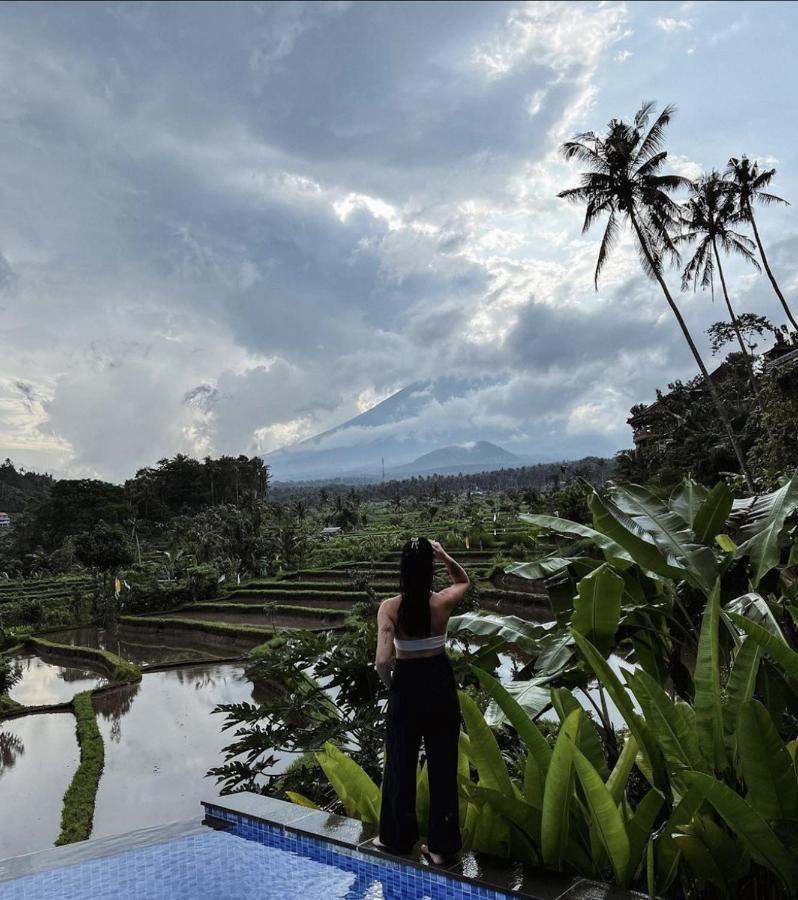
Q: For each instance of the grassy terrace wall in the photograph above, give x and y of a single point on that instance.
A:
(239, 637)
(311, 591)
(116, 668)
(77, 814)
(315, 612)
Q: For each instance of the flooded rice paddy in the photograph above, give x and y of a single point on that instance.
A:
(140, 647)
(160, 740)
(38, 757)
(52, 681)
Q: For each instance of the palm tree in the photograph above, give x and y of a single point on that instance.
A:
(711, 213)
(623, 179)
(748, 183)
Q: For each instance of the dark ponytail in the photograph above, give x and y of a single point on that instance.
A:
(415, 586)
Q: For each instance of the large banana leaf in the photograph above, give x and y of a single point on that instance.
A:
(611, 549)
(556, 651)
(687, 500)
(301, 800)
(548, 566)
(754, 607)
(771, 645)
(589, 742)
(740, 688)
(766, 764)
(708, 709)
(605, 817)
(639, 827)
(666, 863)
(527, 730)
(753, 831)
(557, 795)
(673, 729)
(642, 734)
(616, 783)
(483, 749)
(713, 513)
(597, 608)
(766, 517)
(521, 813)
(675, 540)
(525, 635)
(532, 790)
(638, 543)
(532, 695)
(702, 861)
(358, 793)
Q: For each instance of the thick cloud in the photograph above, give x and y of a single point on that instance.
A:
(225, 227)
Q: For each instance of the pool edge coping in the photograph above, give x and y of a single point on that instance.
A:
(291, 816)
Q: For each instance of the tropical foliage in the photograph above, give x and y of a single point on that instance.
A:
(697, 789)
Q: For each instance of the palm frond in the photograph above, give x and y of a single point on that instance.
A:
(608, 242)
(595, 207)
(653, 141)
(769, 199)
(584, 154)
(693, 270)
(670, 182)
(581, 194)
(642, 115)
(735, 245)
(650, 166)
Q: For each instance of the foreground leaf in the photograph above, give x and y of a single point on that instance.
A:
(766, 518)
(534, 741)
(597, 608)
(605, 817)
(771, 645)
(766, 764)
(609, 680)
(358, 793)
(750, 828)
(708, 709)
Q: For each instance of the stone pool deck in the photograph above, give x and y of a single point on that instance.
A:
(475, 869)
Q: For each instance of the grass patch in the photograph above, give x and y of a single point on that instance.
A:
(7, 704)
(114, 666)
(77, 814)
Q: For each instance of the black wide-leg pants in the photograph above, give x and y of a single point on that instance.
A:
(422, 704)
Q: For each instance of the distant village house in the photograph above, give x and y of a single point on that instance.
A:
(5, 520)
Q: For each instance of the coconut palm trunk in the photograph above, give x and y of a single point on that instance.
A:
(713, 392)
(735, 323)
(776, 288)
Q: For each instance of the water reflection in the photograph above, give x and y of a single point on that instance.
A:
(164, 742)
(11, 747)
(51, 679)
(38, 757)
(139, 646)
(113, 705)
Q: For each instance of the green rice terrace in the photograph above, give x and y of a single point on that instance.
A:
(627, 661)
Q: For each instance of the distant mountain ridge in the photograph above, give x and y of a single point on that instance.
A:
(476, 456)
(388, 431)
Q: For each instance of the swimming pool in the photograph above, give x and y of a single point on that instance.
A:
(264, 848)
(247, 859)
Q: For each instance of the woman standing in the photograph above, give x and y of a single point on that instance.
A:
(422, 704)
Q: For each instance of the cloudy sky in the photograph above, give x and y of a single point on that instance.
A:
(226, 227)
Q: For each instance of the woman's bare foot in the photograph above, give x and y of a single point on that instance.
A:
(378, 843)
(435, 857)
